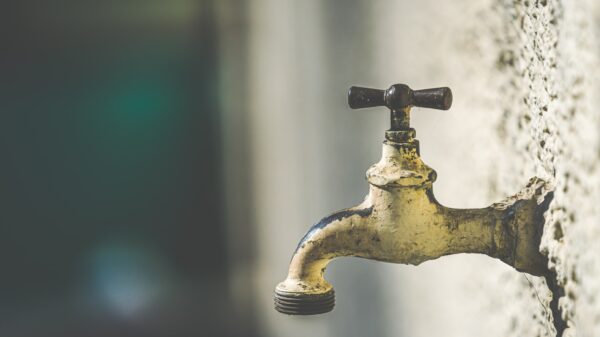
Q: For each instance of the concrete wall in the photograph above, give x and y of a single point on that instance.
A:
(523, 75)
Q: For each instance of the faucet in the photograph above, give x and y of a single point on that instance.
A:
(400, 220)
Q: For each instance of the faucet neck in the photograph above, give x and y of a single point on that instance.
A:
(400, 164)
(403, 139)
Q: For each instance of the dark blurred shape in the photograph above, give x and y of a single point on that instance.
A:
(110, 196)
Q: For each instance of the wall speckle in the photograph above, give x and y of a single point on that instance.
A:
(528, 62)
(550, 120)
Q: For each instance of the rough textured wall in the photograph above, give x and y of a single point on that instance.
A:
(551, 65)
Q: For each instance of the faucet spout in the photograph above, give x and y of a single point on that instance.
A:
(305, 291)
(401, 221)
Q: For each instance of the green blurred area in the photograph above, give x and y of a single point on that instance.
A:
(109, 136)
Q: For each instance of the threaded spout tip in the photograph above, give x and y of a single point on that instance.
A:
(304, 304)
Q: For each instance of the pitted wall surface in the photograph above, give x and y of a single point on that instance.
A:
(553, 123)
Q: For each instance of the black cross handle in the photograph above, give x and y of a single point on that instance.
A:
(399, 98)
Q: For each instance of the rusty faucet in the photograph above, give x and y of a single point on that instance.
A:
(400, 220)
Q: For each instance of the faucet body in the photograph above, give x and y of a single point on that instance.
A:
(400, 221)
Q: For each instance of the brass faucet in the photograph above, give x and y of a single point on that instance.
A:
(400, 220)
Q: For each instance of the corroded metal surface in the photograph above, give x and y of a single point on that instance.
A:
(400, 220)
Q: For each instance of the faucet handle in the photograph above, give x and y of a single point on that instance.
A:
(399, 98)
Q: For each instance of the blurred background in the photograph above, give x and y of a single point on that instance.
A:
(161, 159)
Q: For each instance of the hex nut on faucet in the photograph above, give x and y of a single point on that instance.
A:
(400, 221)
